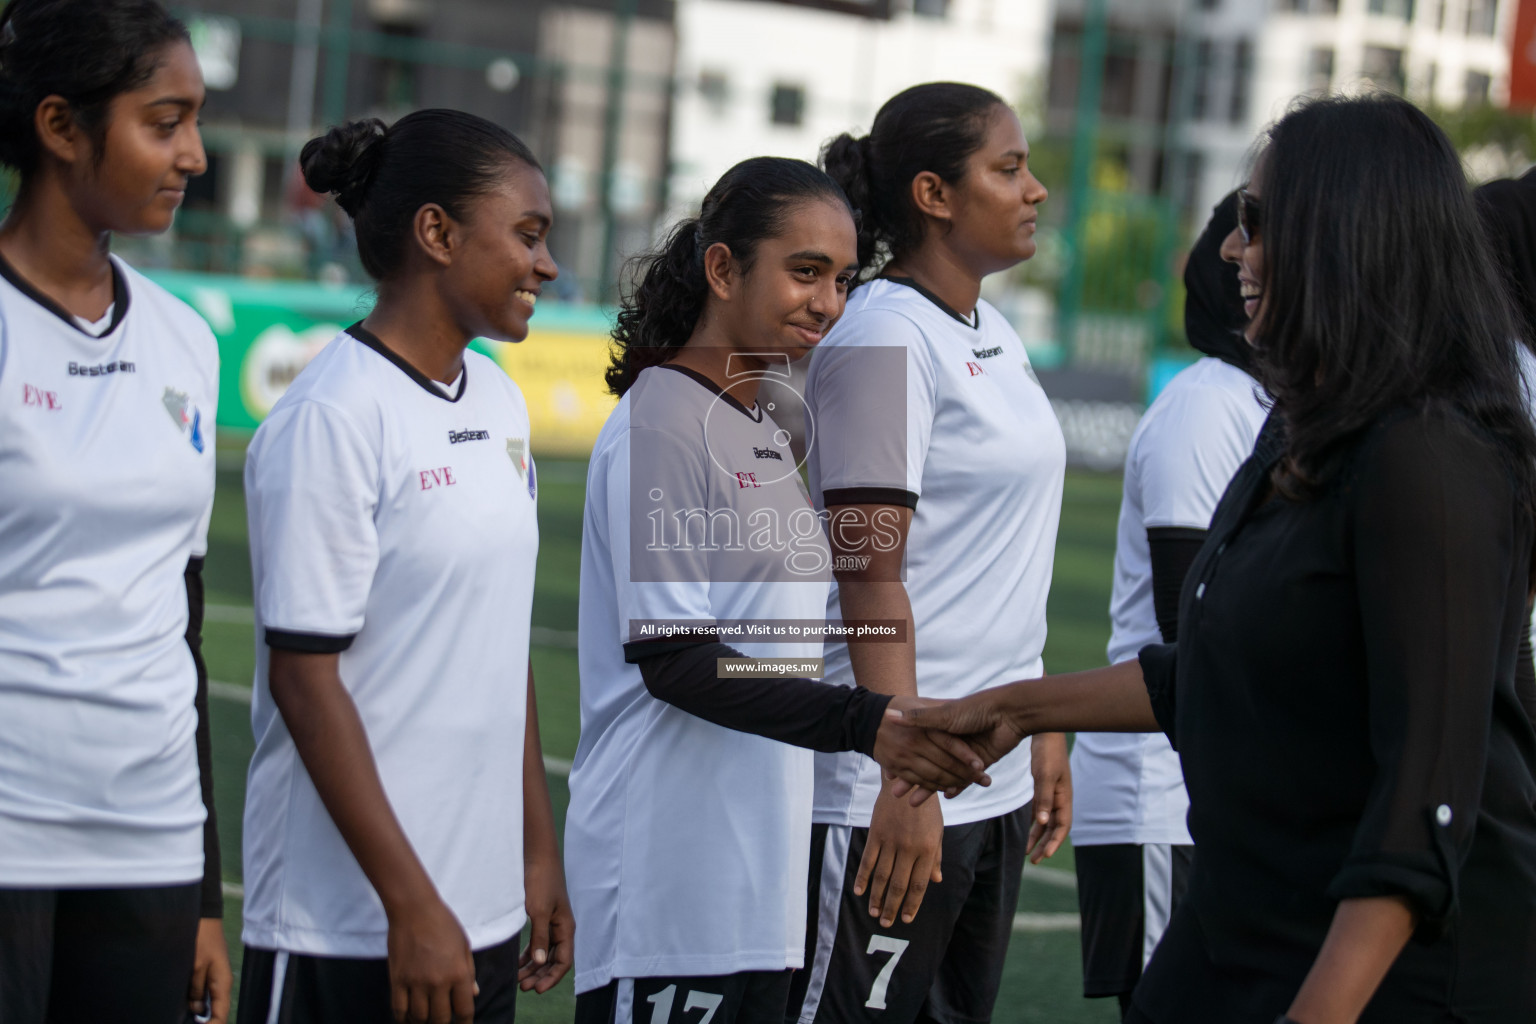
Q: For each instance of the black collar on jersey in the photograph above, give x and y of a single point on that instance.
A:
(974, 325)
(119, 298)
(755, 414)
(370, 339)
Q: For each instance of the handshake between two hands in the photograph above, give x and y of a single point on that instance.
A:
(935, 746)
(930, 746)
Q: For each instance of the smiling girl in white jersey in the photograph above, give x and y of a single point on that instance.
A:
(690, 812)
(398, 829)
(109, 860)
(940, 463)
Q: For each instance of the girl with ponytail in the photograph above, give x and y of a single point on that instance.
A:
(698, 540)
(939, 464)
(398, 829)
(110, 900)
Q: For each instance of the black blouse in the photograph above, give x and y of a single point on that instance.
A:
(1343, 699)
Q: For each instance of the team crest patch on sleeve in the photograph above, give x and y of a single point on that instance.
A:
(187, 417)
(517, 451)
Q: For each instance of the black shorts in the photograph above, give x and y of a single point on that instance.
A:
(750, 997)
(330, 989)
(945, 966)
(1126, 894)
(93, 955)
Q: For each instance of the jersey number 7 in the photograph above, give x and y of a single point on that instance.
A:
(884, 944)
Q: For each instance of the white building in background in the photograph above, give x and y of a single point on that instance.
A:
(780, 77)
(1245, 62)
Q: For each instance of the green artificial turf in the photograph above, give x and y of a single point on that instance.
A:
(1042, 981)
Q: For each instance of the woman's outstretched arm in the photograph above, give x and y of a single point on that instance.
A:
(993, 722)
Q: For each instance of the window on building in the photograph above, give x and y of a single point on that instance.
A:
(1320, 70)
(1482, 17)
(1384, 66)
(1477, 88)
(1242, 72)
(1440, 16)
(1209, 5)
(1290, 6)
(787, 104)
(203, 191)
(395, 78)
(1324, 6)
(1194, 180)
(931, 8)
(1401, 9)
(1200, 94)
(1431, 80)
(1118, 95)
(715, 89)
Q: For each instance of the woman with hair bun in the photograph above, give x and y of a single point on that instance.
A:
(110, 899)
(398, 829)
(690, 812)
(939, 463)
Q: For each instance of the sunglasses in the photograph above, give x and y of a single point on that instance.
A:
(1248, 216)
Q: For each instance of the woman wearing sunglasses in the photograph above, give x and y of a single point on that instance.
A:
(1342, 694)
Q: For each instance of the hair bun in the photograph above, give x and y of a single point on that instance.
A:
(343, 160)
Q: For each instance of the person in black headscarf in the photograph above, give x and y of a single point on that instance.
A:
(1132, 843)
(1508, 210)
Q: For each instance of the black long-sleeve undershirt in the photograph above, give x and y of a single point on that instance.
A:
(212, 901)
(1172, 550)
(797, 711)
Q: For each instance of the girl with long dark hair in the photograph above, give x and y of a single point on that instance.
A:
(398, 828)
(940, 465)
(690, 813)
(1342, 694)
(109, 860)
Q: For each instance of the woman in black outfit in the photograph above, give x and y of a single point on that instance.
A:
(1342, 694)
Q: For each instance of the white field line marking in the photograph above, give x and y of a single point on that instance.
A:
(539, 636)
(1053, 877)
(238, 613)
(1046, 922)
(242, 695)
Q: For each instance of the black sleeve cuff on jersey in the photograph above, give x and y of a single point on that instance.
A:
(1172, 550)
(868, 496)
(211, 898)
(800, 712)
(308, 643)
(637, 650)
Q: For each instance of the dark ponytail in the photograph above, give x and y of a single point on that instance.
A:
(933, 127)
(381, 176)
(87, 51)
(748, 204)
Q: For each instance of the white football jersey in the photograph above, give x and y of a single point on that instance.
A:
(687, 843)
(1128, 787)
(394, 524)
(913, 405)
(106, 485)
